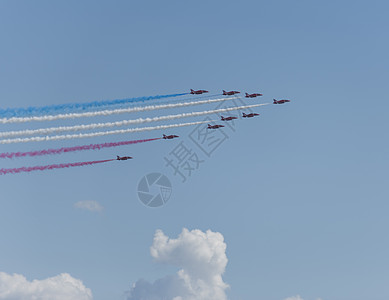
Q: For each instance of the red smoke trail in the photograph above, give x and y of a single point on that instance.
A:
(51, 167)
(73, 149)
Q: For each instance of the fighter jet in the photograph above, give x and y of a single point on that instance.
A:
(214, 126)
(123, 158)
(252, 95)
(231, 93)
(199, 92)
(250, 115)
(228, 118)
(280, 101)
(169, 137)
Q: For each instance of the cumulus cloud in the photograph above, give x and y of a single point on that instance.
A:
(90, 205)
(201, 257)
(61, 287)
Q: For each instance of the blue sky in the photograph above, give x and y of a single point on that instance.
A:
(299, 194)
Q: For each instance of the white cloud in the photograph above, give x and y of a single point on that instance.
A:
(294, 298)
(201, 257)
(61, 287)
(89, 205)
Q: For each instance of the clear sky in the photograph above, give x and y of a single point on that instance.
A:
(300, 194)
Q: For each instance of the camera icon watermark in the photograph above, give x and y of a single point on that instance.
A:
(154, 190)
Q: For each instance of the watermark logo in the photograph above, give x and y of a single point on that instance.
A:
(154, 190)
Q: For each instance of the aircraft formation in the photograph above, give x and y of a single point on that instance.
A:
(108, 108)
(244, 115)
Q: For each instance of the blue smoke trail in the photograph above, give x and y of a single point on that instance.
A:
(70, 107)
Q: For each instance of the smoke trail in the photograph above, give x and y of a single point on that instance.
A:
(34, 110)
(109, 112)
(121, 123)
(73, 149)
(51, 167)
(95, 134)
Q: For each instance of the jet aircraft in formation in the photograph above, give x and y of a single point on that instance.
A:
(198, 92)
(214, 126)
(228, 118)
(231, 93)
(252, 95)
(250, 115)
(169, 137)
(123, 157)
(280, 101)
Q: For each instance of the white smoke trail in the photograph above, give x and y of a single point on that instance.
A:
(101, 133)
(109, 112)
(120, 123)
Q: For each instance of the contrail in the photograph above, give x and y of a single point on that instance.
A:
(51, 167)
(95, 134)
(72, 149)
(34, 110)
(121, 123)
(109, 112)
